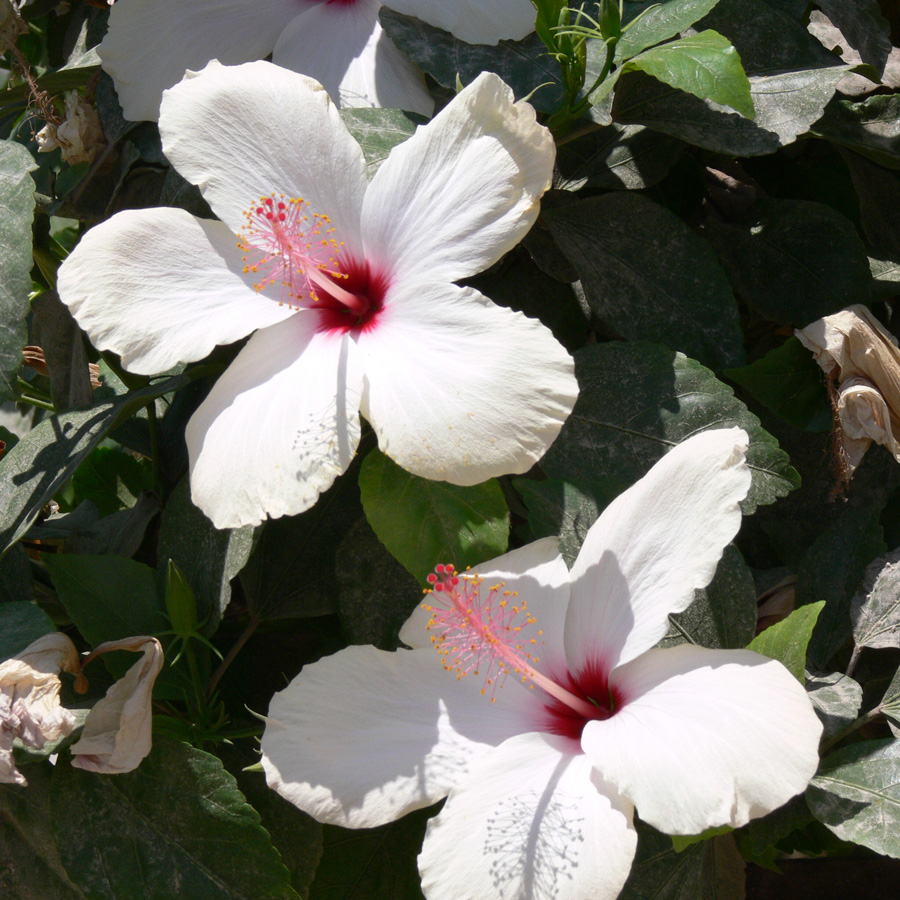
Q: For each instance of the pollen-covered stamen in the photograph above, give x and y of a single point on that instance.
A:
(486, 632)
(287, 245)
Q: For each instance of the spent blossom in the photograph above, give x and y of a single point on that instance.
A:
(346, 285)
(547, 717)
(340, 43)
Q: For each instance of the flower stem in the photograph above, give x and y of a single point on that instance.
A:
(252, 625)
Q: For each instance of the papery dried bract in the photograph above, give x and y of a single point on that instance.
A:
(79, 136)
(854, 348)
(29, 699)
(117, 733)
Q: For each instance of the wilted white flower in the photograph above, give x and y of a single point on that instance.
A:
(79, 136)
(543, 774)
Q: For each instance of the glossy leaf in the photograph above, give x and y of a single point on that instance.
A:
(424, 522)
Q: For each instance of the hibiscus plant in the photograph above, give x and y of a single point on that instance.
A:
(448, 449)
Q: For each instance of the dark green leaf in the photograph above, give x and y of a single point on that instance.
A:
(878, 190)
(705, 65)
(17, 200)
(760, 834)
(111, 479)
(660, 23)
(836, 698)
(291, 571)
(424, 522)
(711, 870)
(370, 863)
(787, 640)
(831, 570)
(890, 703)
(796, 262)
(617, 156)
(788, 381)
(648, 276)
(637, 401)
(30, 867)
(209, 558)
(871, 127)
(786, 105)
(44, 460)
(524, 65)
(376, 595)
(723, 615)
(857, 795)
(378, 130)
(865, 29)
(566, 509)
(176, 827)
(21, 623)
(16, 582)
(875, 607)
(886, 275)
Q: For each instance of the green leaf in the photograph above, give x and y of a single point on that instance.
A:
(831, 570)
(796, 262)
(617, 156)
(637, 401)
(207, 557)
(659, 24)
(836, 698)
(21, 622)
(16, 581)
(175, 827)
(722, 615)
(787, 640)
(875, 607)
(424, 522)
(371, 863)
(857, 795)
(111, 479)
(710, 870)
(377, 131)
(17, 201)
(524, 65)
(864, 28)
(30, 867)
(878, 190)
(291, 572)
(45, 459)
(786, 105)
(789, 382)
(564, 508)
(871, 127)
(705, 65)
(680, 842)
(890, 703)
(648, 276)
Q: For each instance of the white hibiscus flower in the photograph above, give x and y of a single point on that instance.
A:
(542, 783)
(340, 43)
(348, 286)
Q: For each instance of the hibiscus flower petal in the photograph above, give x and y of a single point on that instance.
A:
(529, 820)
(539, 577)
(278, 427)
(459, 389)
(159, 287)
(364, 68)
(706, 738)
(243, 132)
(473, 21)
(652, 547)
(364, 737)
(150, 43)
(463, 190)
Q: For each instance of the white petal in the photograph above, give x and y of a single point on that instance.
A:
(159, 287)
(150, 43)
(364, 737)
(652, 546)
(278, 427)
(459, 389)
(363, 68)
(539, 577)
(242, 132)
(706, 738)
(463, 190)
(473, 21)
(529, 822)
